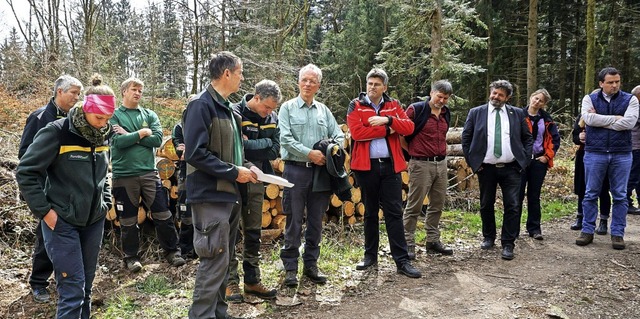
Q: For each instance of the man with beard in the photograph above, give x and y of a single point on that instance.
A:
(497, 145)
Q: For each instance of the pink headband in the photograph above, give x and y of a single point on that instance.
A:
(99, 104)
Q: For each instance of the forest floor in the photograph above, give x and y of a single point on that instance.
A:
(552, 278)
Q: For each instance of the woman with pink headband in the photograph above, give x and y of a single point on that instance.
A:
(72, 155)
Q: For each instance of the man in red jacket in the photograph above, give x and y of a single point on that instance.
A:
(376, 122)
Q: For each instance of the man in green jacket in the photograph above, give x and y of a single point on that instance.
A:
(138, 133)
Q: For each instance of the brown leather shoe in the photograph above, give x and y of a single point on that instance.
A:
(232, 293)
(584, 239)
(259, 290)
(617, 242)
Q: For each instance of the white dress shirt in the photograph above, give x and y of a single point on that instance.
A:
(507, 154)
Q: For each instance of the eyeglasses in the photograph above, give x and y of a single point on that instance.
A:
(309, 81)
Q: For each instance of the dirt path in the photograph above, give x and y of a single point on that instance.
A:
(553, 278)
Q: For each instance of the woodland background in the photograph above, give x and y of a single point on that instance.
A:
(558, 45)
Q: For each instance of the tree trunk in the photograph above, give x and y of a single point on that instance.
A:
(436, 42)
(532, 48)
(590, 64)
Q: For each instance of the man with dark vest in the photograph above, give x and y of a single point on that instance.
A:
(497, 145)
(609, 115)
(427, 146)
(261, 140)
(66, 92)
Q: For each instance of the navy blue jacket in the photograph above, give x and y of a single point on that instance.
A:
(37, 120)
(601, 139)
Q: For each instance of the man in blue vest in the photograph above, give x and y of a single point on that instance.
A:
(609, 115)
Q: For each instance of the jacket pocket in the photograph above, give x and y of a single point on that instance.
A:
(209, 241)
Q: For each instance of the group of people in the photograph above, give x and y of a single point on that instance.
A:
(224, 147)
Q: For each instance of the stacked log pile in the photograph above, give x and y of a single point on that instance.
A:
(347, 212)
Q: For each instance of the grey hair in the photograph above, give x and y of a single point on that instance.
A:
(223, 60)
(442, 86)
(268, 89)
(313, 68)
(545, 93)
(502, 84)
(636, 90)
(65, 82)
(378, 73)
(129, 82)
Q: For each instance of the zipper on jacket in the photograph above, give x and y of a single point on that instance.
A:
(95, 185)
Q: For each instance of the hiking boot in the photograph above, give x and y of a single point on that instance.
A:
(291, 278)
(438, 247)
(578, 224)
(133, 265)
(602, 228)
(41, 295)
(617, 242)
(232, 293)
(315, 275)
(175, 258)
(411, 251)
(584, 239)
(633, 210)
(409, 270)
(259, 290)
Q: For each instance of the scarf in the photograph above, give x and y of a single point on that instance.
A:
(95, 136)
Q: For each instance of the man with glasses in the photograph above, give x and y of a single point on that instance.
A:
(304, 121)
(261, 140)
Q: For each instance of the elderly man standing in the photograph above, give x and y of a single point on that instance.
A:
(303, 122)
(138, 133)
(497, 144)
(215, 166)
(66, 92)
(609, 115)
(261, 139)
(427, 146)
(376, 122)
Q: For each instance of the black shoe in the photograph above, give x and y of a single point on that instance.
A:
(366, 263)
(633, 210)
(315, 275)
(408, 270)
(507, 252)
(602, 228)
(291, 278)
(438, 247)
(578, 224)
(536, 236)
(487, 243)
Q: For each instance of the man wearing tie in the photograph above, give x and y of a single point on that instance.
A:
(497, 145)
